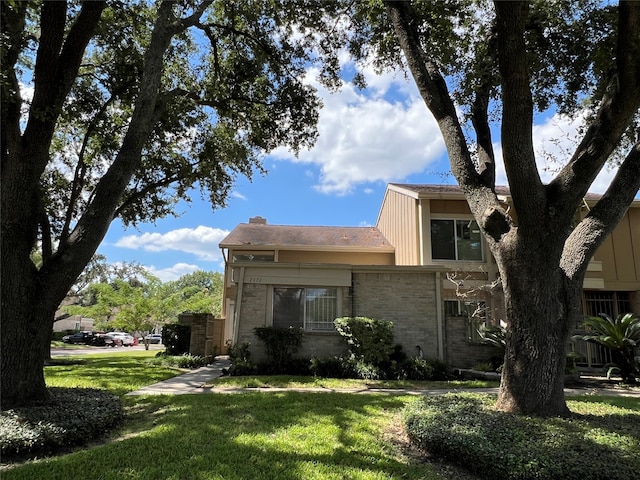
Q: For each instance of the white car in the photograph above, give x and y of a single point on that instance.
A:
(121, 338)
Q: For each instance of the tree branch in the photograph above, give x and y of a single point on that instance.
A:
(433, 88)
(587, 237)
(605, 132)
(517, 112)
(57, 64)
(12, 19)
(480, 115)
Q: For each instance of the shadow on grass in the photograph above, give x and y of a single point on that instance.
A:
(599, 441)
(250, 436)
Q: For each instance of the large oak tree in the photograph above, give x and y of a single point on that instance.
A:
(118, 110)
(521, 57)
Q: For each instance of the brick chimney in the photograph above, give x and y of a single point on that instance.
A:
(258, 220)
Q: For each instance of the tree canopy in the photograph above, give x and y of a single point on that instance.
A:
(118, 110)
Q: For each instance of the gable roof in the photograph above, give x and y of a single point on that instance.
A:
(261, 236)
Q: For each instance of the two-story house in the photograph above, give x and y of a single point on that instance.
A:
(424, 266)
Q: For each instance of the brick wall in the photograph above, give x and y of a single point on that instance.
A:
(459, 352)
(207, 333)
(408, 299)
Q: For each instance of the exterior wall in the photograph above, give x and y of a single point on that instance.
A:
(399, 223)
(407, 299)
(620, 254)
(207, 334)
(454, 207)
(348, 258)
(459, 353)
(74, 322)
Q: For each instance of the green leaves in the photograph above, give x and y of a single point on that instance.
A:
(621, 335)
(142, 303)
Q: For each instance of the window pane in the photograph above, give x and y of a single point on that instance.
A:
(253, 257)
(442, 240)
(451, 308)
(288, 308)
(469, 240)
(321, 308)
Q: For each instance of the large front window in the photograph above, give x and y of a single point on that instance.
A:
(312, 309)
(456, 240)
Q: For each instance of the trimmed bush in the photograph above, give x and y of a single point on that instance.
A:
(465, 429)
(368, 339)
(71, 417)
(280, 345)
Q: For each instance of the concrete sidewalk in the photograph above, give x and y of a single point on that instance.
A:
(195, 381)
(190, 382)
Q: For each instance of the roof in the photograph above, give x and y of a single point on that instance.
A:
(437, 191)
(262, 236)
(454, 191)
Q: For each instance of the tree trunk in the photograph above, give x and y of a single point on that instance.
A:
(26, 328)
(541, 307)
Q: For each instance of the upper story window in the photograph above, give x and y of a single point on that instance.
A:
(456, 240)
(253, 257)
(313, 309)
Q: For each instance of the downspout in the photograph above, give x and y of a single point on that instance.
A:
(236, 313)
(439, 319)
(353, 297)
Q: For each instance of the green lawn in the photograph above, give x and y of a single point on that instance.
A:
(290, 435)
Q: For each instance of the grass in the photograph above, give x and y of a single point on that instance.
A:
(117, 371)
(285, 381)
(278, 435)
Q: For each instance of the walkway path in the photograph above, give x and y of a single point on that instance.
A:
(195, 381)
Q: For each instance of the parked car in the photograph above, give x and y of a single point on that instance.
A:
(102, 340)
(79, 337)
(154, 338)
(121, 338)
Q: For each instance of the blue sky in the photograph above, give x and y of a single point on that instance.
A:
(366, 140)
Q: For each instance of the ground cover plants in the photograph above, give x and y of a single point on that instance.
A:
(601, 439)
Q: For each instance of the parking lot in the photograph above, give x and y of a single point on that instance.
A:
(83, 350)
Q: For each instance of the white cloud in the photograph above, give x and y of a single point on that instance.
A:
(174, 272)
(555, 140)
(238, 195)
(201, 242)
(384, 134)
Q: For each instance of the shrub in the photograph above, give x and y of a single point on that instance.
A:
(368, 339)
(621, 335)
(241, 368)
(185, 360)
(239, 352)
(423, 369)
(176, 337)
(466, 430)
(334, 367)
(280, 344)
(45, 428)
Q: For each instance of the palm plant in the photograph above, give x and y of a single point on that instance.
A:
(621, 335)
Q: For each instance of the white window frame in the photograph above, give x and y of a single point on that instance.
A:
(306, 325)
